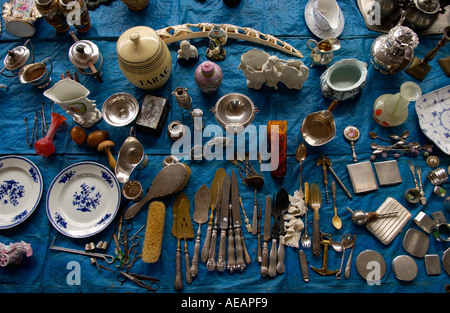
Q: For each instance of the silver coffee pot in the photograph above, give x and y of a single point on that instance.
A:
(394, 52)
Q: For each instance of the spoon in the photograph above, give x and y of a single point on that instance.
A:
(300, 154)
(336, 245)
(337, 223)
(374, 135)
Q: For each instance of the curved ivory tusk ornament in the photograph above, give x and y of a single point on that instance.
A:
(176, 33)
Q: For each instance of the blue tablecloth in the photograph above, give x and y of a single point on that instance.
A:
(46, 270)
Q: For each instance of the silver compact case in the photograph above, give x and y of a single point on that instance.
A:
(405, 268)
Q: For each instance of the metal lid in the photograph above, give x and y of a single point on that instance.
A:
(405, 268)
(16, 58)
(82, 52)
(446, 261)
(405, 36)
(427, 6)
(138, 44)
(371, 265)
(416, 243)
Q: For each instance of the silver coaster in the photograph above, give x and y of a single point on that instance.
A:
(362, 176)
(388, 172)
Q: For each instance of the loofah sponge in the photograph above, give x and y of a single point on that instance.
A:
(154, 232)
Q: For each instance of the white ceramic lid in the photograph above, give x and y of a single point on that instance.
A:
(138, 44)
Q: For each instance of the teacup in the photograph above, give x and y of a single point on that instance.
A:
(36, 74)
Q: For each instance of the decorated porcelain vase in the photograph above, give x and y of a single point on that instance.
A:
(208, 76)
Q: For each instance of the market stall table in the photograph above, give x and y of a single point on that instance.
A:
(48, 271)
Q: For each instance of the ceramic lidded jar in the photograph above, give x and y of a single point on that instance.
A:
(144, 58)
(208, 76)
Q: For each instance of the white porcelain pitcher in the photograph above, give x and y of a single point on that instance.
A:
(326, 14)
(71, 96)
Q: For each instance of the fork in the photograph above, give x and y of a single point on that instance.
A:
(419, 176)
(306, 240)
(411, 167)
(315, 203)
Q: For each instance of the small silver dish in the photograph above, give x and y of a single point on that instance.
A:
(234, 112)
(120, 109)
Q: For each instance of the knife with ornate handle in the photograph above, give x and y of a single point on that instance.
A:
(215, 191)
(283, 203)
(273, 249)
(266, 236)
(240, 262)
(231, 263)
(258, 254)
(223, 223)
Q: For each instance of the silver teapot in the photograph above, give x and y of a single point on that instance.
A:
(394, 52)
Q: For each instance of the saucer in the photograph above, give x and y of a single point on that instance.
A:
(322, 34)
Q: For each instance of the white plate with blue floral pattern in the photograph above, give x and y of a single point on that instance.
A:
(433, 111)
(83, 199)
(20, 190)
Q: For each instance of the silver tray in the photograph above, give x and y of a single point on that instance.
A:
(436, 28)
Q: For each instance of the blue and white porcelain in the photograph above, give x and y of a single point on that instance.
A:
(83, 199)
(20, 190)
(344, 79)
(433, 111)
(324, 18)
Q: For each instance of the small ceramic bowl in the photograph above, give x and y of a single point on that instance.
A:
(234, 112)
(120, 109)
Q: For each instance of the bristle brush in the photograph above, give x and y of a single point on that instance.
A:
(168, 181)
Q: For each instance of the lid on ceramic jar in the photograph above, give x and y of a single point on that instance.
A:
(207, 68)
(16, 58)
(82, 52)
(138, 44)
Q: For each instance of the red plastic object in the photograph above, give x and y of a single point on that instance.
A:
(45, 146)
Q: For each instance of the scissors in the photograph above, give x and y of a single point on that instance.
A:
(120, 258)
(138, 279)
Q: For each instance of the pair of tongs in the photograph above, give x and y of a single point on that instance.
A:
(138, 279)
